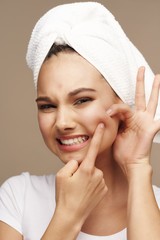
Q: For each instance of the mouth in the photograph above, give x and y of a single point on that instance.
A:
(72, 141)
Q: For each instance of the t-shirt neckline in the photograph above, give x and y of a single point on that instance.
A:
(117, 236)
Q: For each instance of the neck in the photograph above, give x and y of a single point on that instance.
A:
(110, 214)
(113, 174)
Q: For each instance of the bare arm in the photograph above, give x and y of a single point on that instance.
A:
(143, 212)
(132, 151)
(8, 233)
(64, 225)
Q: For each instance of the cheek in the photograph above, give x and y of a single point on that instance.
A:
(45, 122)
(92, 116)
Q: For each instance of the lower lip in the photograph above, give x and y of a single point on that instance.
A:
(72, 148)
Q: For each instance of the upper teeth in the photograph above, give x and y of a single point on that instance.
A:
(73, 140)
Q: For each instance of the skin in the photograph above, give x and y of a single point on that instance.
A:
(64, 115)
(68, 105)
(102, 188)
(136, 137)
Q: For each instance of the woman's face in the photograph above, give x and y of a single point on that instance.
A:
(72, 98)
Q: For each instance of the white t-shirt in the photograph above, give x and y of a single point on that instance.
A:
(27, 204)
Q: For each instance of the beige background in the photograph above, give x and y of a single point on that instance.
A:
(21, 145)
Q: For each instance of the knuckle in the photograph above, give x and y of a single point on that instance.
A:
(103, 182)
(59, 176)
(88, 169)
(99, 174)
(104, 186)
(105, 190)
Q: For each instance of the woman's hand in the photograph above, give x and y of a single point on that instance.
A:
(79, 188)
(132, 146)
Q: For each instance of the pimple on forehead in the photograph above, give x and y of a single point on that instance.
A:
(59, 85)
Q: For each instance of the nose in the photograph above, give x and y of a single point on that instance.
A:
(65, 120)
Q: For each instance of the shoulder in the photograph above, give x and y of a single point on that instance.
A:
(13, 188)
(21, 195)
(25, 180)
(24, 188)
(25, 185)
(157, 194)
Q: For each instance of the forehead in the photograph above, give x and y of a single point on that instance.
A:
(68, 71)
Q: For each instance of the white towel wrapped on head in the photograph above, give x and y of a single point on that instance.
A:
(93, 32)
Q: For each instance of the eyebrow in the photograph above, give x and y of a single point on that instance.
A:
(79, 90)
(72, 93)
(45, 99)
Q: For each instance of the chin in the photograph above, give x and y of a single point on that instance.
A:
(72, 156)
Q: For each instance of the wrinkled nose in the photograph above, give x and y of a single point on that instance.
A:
(65, 120)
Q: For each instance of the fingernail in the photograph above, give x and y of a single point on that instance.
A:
(109, 111)
(101, 125)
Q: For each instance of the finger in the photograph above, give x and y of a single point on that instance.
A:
(153, 100)
(93, 150)
(69, 169)
(140, 101)
(123, 111)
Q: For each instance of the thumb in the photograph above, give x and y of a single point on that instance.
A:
(69, 169)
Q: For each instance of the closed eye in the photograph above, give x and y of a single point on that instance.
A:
(46, 107)
(83, 100)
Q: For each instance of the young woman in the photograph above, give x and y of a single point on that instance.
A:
(87, 118)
